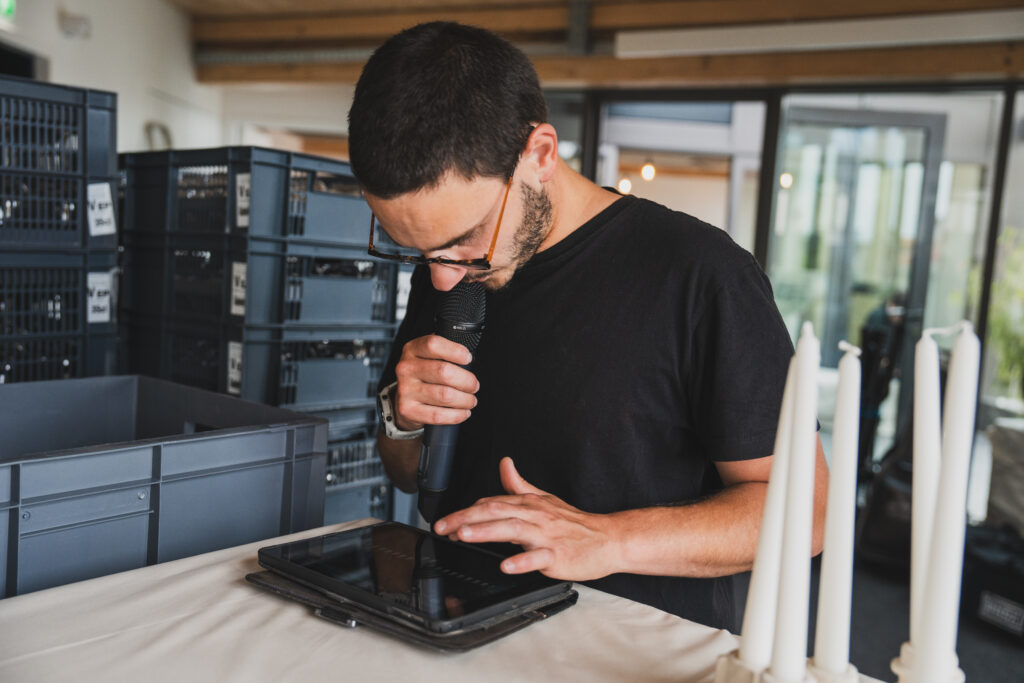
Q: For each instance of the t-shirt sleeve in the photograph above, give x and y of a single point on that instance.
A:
(418, 321)
(738, 367)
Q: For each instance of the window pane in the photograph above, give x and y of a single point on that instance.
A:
(701, 158)
(565, 113)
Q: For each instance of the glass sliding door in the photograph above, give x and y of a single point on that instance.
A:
(877, 228)
(853, 217)
(1001, 410)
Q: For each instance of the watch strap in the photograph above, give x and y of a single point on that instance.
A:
(388, 416)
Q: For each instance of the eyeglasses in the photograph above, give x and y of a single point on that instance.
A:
(483, 263)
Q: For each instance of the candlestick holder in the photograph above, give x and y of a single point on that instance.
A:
(769, 677)
(851, 675)
(903, 667)
(731, 669)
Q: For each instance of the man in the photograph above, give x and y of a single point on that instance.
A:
(618, 419)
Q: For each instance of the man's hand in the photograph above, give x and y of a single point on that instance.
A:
(432, 388)
(559, 540)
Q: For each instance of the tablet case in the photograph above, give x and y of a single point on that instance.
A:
(349, 614)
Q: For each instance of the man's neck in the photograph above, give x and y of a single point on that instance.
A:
(574, 201)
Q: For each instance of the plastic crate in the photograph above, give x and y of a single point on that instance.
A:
(235, 279)
(143, 471)
(358, 502)
(58, 165)
(245, 190)
(354, 463)
(58, 314)
(304, 369)
(355, 422)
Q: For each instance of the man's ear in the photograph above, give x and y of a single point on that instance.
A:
(542, 151)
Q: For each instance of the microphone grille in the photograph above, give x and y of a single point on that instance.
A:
(460, 314)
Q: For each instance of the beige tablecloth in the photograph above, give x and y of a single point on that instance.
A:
(197, 619)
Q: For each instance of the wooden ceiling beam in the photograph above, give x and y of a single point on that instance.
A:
(242, 8)
(943, 62)
(373, 26)
(551, 17)
(697, 13)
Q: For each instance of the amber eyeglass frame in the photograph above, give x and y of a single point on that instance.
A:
(483, 263)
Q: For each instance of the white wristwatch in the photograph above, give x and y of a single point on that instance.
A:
(386, 409)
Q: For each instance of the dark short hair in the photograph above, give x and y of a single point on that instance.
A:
(437, 98)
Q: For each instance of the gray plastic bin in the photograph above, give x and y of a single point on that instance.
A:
(108, 474)
(57, 142)
(245, 190)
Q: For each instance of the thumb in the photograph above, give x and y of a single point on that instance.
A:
(511, 480)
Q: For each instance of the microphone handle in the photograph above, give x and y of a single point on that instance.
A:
(437, 457)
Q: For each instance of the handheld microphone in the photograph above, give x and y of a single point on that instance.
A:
(460, 318)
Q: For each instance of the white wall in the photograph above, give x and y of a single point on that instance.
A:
(316, 109)
(139, 49)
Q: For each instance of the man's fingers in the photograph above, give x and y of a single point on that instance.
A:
(438, 348)
(449, 395)
(486, 510)
(507, 530)
(432, 387)
(433, 415)
(447, 374)
(439, 372)
(514, 483)
(535, 560)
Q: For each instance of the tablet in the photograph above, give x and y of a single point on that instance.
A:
(424, 582)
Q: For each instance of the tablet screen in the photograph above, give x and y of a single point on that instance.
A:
(408, 568)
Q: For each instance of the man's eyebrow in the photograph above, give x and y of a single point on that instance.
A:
(464, 237)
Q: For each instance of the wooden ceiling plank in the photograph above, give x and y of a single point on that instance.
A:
(945, 62)
(527, 19)
(660, 15)
(553, 17)
(985, 60)
(244, 8)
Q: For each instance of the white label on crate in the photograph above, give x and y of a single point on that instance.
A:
(238, 288)
(243, 184)
(1002, 612)
(235, 368)
(101, 210)
(99, 287)
(402, 289)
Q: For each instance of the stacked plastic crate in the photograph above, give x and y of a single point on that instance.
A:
(58, 241)
(246, 273)
(140, 471)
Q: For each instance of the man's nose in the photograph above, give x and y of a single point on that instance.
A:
(445, 277)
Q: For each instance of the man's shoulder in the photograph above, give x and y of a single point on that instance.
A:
(685, 240)
(665, 218)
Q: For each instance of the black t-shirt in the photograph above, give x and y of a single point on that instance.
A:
(615, 368)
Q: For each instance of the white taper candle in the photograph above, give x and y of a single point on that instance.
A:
(756, 637)
(927, 431)
(832, 634)
(789, 652)
(935, 650)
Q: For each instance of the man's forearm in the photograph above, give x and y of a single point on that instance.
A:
(401, 460)
(715, 537)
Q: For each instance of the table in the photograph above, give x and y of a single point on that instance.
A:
(196, 619)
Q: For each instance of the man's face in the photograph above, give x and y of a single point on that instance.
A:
(457, 219)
